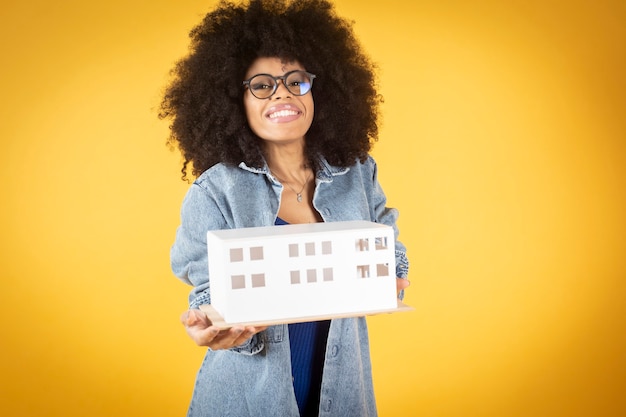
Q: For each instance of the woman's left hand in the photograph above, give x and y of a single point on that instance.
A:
(401, 284)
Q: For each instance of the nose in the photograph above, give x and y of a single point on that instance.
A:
(281, 83)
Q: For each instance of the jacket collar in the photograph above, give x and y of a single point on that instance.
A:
(325, 174)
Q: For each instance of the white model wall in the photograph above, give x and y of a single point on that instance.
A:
(327, 259)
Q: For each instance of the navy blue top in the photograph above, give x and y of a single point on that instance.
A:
(308, 349)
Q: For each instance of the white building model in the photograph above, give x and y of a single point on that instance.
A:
(286, 273)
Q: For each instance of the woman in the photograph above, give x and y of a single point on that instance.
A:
(275, 109)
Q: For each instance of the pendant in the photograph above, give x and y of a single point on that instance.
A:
(299, 197)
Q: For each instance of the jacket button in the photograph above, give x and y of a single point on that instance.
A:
(334, 351)
(326, 406)
(327, 211)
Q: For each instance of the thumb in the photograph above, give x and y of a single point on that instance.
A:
(194, 317)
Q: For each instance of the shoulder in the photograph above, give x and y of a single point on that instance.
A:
(365, 169)
(366, 166)
(224, 176)
(215, 174)
(369, 163)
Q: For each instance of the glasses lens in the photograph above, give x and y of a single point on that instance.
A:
(298, 83)
(262, 86)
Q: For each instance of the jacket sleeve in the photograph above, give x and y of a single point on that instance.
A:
(386, 215)
(188, 255)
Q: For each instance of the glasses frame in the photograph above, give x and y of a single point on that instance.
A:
(246, 83)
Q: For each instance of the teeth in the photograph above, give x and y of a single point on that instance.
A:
(283, 113)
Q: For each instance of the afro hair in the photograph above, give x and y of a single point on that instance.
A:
(204, 99)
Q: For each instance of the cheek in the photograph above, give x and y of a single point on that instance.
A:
(311, 111)
(247, 105)
(252, 112)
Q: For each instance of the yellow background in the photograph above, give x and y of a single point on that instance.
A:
(503, 145)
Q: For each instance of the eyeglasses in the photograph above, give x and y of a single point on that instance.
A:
(264, 86)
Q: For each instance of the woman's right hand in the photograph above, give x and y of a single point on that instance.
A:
(201, 330)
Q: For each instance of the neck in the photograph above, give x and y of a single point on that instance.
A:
(288, 162)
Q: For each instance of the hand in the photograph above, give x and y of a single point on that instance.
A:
(402, 284)
(201, 330)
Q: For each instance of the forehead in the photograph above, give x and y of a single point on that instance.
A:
(273, 66)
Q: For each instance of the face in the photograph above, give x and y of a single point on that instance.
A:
(283, 117)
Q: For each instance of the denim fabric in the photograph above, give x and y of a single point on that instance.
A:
(254, 379)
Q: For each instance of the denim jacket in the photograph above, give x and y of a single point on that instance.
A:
(254, 379)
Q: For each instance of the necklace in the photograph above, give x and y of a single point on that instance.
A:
(298, 194)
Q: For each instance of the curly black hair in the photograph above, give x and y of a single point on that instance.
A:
(204, 100)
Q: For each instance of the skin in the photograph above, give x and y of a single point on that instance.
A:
(283, 147)
(284, 139)
(281, 132)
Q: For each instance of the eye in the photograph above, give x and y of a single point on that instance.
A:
(258, 86)
(297, 79)
(262, 83)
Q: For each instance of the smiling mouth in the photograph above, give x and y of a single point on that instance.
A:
(283, 113)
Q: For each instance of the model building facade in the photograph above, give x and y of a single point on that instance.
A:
(302, 270)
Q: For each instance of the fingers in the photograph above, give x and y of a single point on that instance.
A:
(203, 333)
(402, 284)
(196, 318)
(226, 339)
(199, 327)
(234, 336)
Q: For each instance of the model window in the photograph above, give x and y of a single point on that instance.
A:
(256, 253)
(328, 274)
(363, 271)
(293, 250)
(362, 245)
(382, 270)
(381, 243)
(295, 277)
(258, 280)
(309, 248)
(327, 247)
(236, 255)
(311, 275)
(238, 282)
